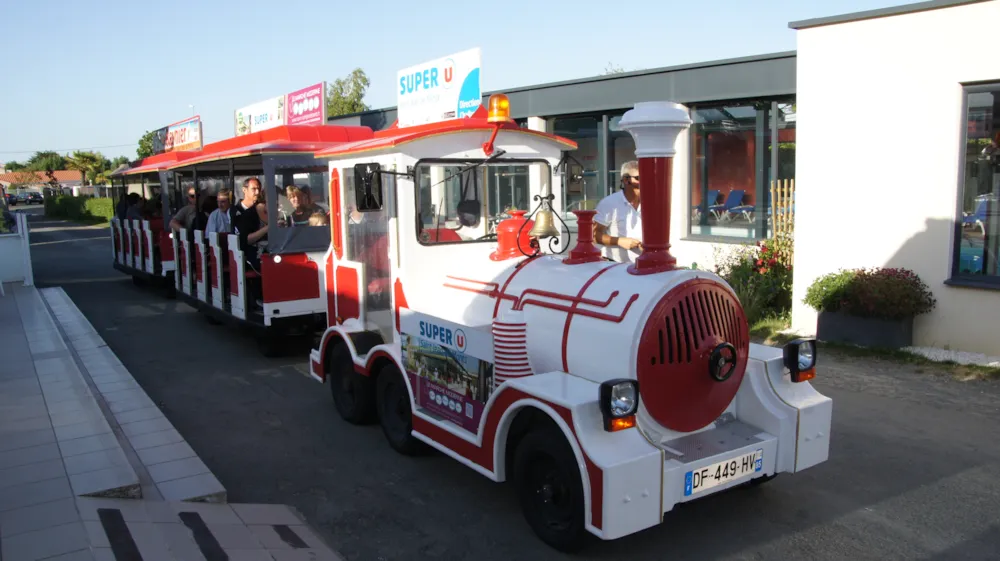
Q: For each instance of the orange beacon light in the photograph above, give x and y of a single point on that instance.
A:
(499, 109)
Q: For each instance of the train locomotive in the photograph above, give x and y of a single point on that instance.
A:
(607, 393)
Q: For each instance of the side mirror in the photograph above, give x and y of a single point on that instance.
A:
(368, 186)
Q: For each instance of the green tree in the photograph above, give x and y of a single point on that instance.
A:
(14, 166)
(118, 162)
(612, 69)
(89, 164)
(145, 145)
(347, 95)
(47, 161)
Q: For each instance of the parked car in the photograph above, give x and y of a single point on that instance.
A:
(11, 199)
(35, 197)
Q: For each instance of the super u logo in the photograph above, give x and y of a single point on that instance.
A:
(460, 339)
(448, 69)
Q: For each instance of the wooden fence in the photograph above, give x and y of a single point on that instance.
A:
(782, 207)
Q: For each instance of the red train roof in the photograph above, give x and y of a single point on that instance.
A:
(158, 162)
(284, 139)
(395, 136)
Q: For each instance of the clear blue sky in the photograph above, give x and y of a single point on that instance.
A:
(96, 75)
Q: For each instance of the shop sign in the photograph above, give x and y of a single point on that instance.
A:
(306, 106)
(439, 90)
(261, 116)
(185, 135)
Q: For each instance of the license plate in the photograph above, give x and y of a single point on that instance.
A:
(696, 481)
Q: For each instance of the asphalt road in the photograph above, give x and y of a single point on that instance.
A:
(913, 472)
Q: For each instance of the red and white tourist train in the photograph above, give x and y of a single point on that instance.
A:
(607, 393)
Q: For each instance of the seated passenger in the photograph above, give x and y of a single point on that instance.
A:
(134, 210)
(303, 207)
(246, 222)
(218, 221)
(319, 219)
(186, 215)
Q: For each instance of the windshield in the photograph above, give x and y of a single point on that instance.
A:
(463, 200)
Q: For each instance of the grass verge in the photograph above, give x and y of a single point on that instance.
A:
(769, 332)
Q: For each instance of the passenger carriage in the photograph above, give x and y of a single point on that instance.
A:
(283, 296)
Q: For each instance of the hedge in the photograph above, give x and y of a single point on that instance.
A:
(85, 208)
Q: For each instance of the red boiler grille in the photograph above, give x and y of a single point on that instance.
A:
(700, 319)
(683, 330)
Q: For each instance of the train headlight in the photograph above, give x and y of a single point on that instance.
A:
(800, 359)
(619, 401)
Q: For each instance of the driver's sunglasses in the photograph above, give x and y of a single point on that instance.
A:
(634, 178)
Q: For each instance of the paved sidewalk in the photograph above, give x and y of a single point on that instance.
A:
(90, 469)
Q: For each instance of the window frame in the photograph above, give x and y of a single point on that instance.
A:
(956, 277)
(418, 223)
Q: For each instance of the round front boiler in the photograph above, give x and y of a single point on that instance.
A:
(692, 355)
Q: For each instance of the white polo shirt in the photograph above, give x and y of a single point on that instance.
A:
(622, 220)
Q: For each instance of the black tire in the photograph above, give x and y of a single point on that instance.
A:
(395, 413)
(550, 489)
(353, 394)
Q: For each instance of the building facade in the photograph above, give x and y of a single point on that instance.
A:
(923, 193)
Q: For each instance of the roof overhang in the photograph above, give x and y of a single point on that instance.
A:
(279, 140)
(395, 137)
(881, 13)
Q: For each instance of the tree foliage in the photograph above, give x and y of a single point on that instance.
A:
(346, 95)
(46, 160)
(612, 69)
(14, 166)
(145, 149)
(91, 164)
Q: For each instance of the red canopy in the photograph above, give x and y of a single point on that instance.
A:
(284, 139)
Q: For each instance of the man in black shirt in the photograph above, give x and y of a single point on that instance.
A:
(246, 222)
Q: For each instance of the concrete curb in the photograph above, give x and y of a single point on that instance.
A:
(167, 466)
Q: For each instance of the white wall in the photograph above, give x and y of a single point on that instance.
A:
(878, 158)
(11, 258)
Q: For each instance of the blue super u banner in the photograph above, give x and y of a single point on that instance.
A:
(439, 90)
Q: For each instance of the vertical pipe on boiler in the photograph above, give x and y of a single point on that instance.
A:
(655, 126)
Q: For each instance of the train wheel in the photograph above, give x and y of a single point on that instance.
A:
(550, 489)
(394, 412)
(353, 394)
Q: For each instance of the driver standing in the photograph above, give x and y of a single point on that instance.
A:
(618, 222)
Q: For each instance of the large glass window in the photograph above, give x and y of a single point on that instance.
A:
(730, 159)
(978, 243)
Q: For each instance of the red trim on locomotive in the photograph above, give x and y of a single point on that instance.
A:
(483, 455)
(348, 294)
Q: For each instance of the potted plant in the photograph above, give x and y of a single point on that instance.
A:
(872, 307)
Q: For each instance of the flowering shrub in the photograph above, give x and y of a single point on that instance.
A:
(761, 275)
(881, 293)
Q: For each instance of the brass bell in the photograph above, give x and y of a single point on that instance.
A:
(544, 225)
